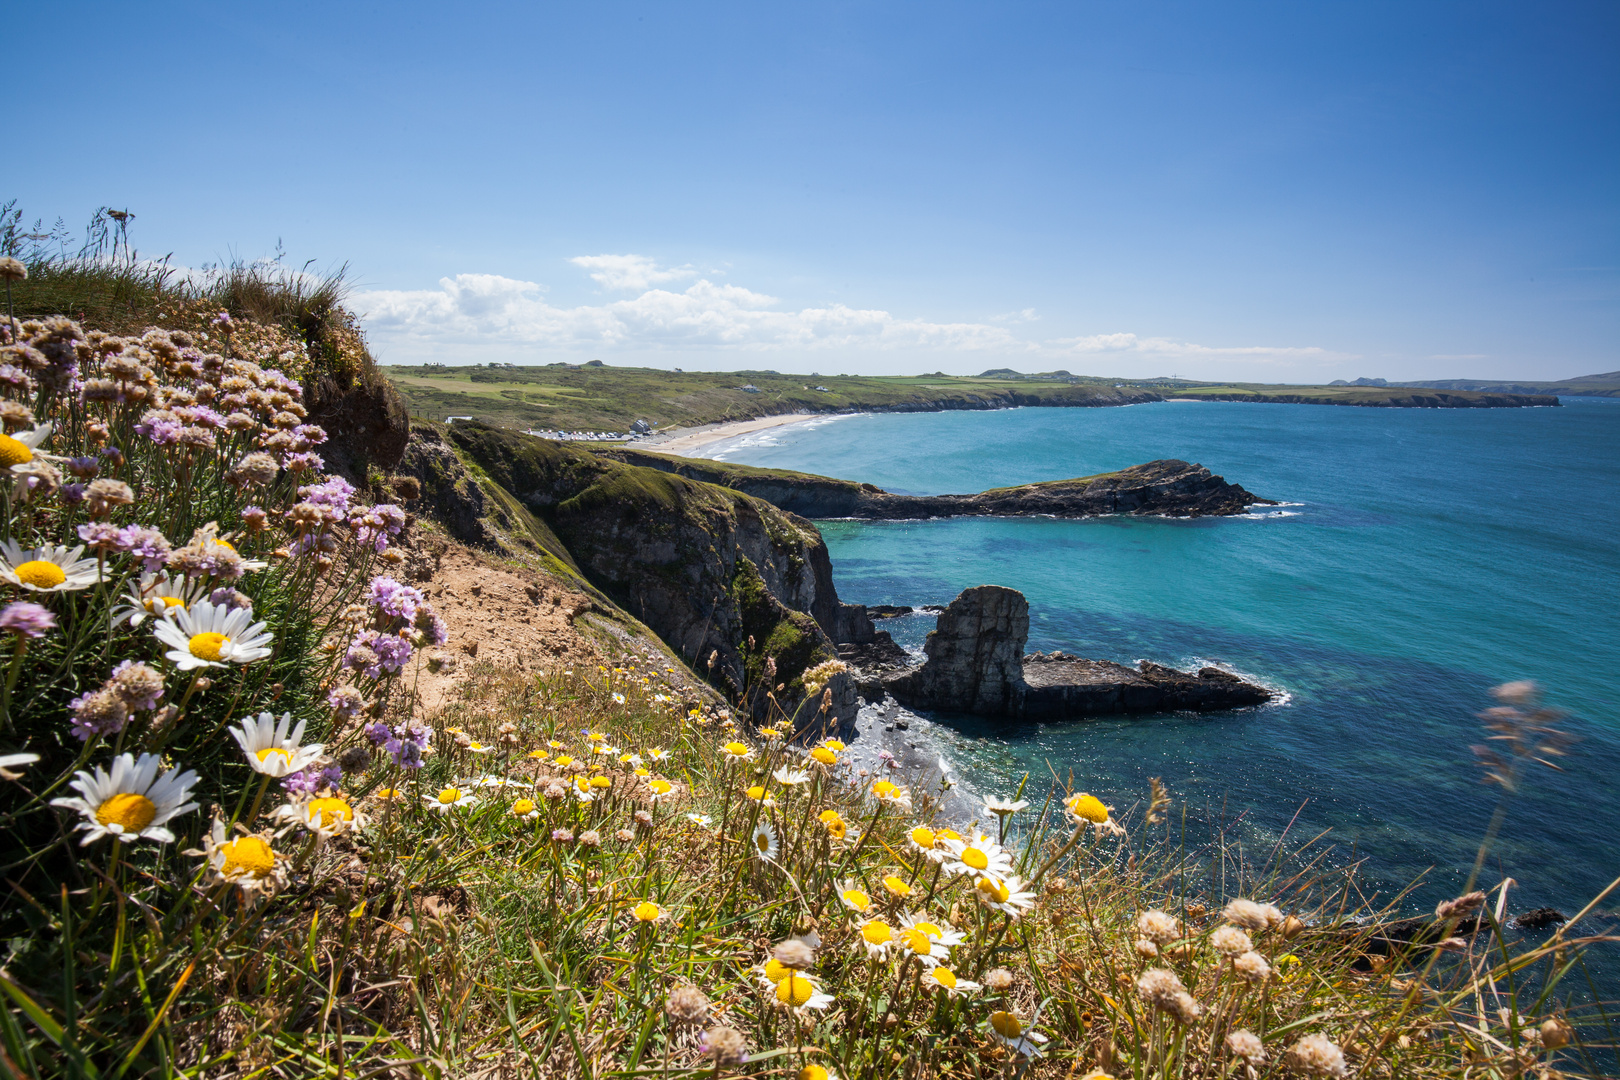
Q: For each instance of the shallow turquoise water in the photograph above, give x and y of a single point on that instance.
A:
(1432, 555)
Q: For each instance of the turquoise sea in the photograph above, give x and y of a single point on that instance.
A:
(1423, 556)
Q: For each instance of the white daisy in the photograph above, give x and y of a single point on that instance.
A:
(132, 802)
(480, 748)
(790, 777)
(660, 789)
(658, 753)
(801, 993)
(947, 980)
(1015, 1035)
(581, 787)
(326, 816)
(271, 748)
(978, 854)
(247, 861)
(765, 845)
(1003, 807)
(929, 942)
(21, 447)
(8, 760)
(702, 821)
(247, 563)
(1005, 894)
(496, 782)
(208, 635)
(926, 842)
(878, 938)
(450, 798)
(156, 594)
(887, 792)
(852, 896)
(52, 568)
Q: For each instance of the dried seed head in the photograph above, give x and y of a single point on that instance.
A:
(1146, 948)
(687, 1005)
(1556, 1033)
(725, 1045)
(590, 838)
(1318, 1056)
(1157, 926)
(12, 269)
(1230, 941)
(998, 979)
(794, 953)
(1292, 928)
(1250, 915)
(1246, 1044)
(1252, 967)
(1161, 988)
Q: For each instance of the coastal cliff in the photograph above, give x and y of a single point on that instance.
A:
(1167, 488)
(711, 570)
(976, 664)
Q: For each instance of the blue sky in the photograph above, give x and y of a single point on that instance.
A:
(1273, 191)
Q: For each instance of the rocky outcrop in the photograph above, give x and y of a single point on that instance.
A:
(366, 420)
(1167, 488)
(975, 656)
(976, 664)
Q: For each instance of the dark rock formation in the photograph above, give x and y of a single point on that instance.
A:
(1166, 488)
(976, 664)
(975, 656)
(366, 421)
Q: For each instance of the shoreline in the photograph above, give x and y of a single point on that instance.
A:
(688, 442)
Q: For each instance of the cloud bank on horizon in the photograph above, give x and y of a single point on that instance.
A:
(475, 318)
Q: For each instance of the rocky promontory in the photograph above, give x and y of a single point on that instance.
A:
(1167, 488)
(976, 664)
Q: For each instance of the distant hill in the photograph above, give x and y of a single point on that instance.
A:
(1607, 385)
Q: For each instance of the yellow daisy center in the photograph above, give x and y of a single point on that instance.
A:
(660, 787)
(208, 646)
(922, 836)
(917, 941)
(945, 978)
(896, 886)
(539, 755)
(40, 574)
(1006, 1025)
(997, 891)
(757, 792)
(877, 933)
(328, 812)
(833, 744)
(883, 789)
(226, 544)
(247, 855)
(523, 806)
(596, 736)
(857, 899)
(643, 772)
(975, 858)
(647, 911)
(814, 1072)
(601, 782)
(387, 793)
(449, 795)
(563, 761)
(735, 749)
(264, 755)
(127, 810)
(948, 834)
(161, 603)
(14, 452)
(1088, 807)
(762, 840)
(776, 971)
(928, 928)
(825, 756)
(794, 990)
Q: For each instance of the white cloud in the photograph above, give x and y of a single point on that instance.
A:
(630, 272)
(513, 319)
(1158, 346)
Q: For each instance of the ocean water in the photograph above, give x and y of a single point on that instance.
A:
(1421, 557)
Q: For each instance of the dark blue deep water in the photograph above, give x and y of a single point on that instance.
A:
(1424, 556)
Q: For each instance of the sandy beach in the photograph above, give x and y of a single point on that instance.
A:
(690, 442)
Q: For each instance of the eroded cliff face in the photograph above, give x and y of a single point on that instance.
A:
(708, 569)
(1168, 488)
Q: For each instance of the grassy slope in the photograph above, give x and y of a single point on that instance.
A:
(611, 398)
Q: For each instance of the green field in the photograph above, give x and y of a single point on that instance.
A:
(596, 397)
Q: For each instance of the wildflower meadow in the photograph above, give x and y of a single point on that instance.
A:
(237, 844)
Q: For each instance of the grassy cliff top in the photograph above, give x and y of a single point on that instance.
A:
(596, 397)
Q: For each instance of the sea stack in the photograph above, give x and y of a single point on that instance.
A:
(976, 664)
